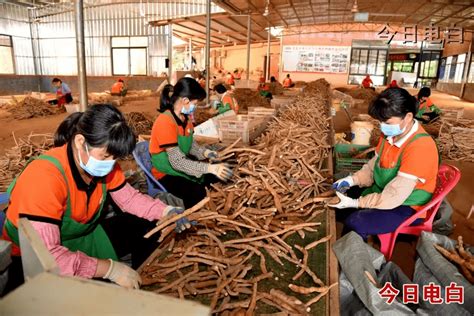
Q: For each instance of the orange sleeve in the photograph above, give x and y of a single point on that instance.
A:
(163, 134)
(47, 200)
(379, 144)
(115, 180)
(420, 159)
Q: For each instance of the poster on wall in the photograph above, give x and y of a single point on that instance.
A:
(330, 59)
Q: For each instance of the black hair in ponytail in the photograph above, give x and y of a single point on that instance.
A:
(184, 88)
(102, 125)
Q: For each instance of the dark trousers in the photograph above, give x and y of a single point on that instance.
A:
(367, 222)
(428, 117)
(189, 191)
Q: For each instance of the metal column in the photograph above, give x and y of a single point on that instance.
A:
(267, 68)
(208, 46)
(191, 54)
(467, 64)
(170, 51)
(81, 55)
(249, 30)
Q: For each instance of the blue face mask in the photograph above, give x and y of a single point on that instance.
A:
(96, 167)
(192, 107)
(391, 129)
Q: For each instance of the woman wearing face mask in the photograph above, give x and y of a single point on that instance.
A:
(177, 159)
(401, 177)
(62, 193)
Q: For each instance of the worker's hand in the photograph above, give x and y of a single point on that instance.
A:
(221, 171)
(123, 275)
(342, 185)
(346, 202)
(181, 224)
(211, 154)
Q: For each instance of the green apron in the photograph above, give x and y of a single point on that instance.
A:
(161, 161)
(89, 238)
(223, 108)
(382, 176)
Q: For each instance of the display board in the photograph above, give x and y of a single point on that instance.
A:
(329, 59)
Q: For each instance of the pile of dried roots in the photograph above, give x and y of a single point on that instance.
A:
(15, 159)
(31, 107)
(255, 248)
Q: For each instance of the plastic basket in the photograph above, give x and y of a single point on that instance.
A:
(241, 126)
(343, 156)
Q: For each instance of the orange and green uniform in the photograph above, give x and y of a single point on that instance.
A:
(427, 106)
(416, 157)
(228, 103)
(287, 82)
(50, 189)
(166, 133)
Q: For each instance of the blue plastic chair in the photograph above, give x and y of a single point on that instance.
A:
(143, 158)
(4, 197)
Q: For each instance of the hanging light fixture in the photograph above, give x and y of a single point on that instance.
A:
(355, 8)
(266, 12)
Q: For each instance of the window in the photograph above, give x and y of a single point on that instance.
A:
(129, 55)
(6, 55)
(470, 79)
(367, 61)
(461, 60)
(429, 64)
(442, 69)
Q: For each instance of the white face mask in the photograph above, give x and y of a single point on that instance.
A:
(96, 167)
(190, 110)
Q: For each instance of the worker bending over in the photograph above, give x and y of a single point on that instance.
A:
(427, 111)
(227, 101)
(367, 83)
(177, 159)
(63, 194)
(63, 93)
(264, 89)
(400, 179)
(287, 82)
(118, 88)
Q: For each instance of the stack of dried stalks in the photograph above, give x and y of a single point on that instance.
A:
(31, 107)
(248, 98)
(15, 159)
(276, 88)
(456, 140)
(139, 123)
(201, 115)
(249, 228)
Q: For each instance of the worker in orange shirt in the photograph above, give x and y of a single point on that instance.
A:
(227, 101)
(400, 179)
(393, 84)
(63, 194)
(427, 111)
(287, 82)
(264, 89)
(367, 82)
(229, 79)
(118, 88)
(172, 145)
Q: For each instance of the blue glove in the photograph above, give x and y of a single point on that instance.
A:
(342, 185)
(181, 224)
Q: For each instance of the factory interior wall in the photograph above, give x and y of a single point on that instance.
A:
(453, 49)
(15, 84)
(237, 58)
(324, 39)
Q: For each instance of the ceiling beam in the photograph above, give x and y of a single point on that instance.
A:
(232, 29)
(198, 35)
(185, 36)
(290, 2)
(431, 13)
(245, 27)
(453, 14)
(215, 30)
(277, 12)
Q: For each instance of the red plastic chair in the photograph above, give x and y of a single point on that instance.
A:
(448, 177)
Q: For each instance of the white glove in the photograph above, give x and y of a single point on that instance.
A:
(123, 275)
(211, 154)
(220, 170)
(346, 202)
(342, 185)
